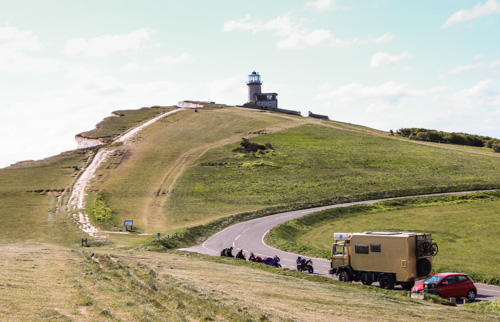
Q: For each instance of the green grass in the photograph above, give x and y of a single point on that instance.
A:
(160, 180)
(184, 172)
(112, 126)
(464, 226)
(321, 165)
(142, 185)
(31, 206)
(55, 284)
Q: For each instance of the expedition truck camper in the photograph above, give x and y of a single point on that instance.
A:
(390, 258)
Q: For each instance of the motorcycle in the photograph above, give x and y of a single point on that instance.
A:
(253, 258)
(272, 261)
(305, 265)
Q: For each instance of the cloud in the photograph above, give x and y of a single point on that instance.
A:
(293, 34)
(473, 67)
(173, 60)
(383, 59)
(479, 10)
(17, 48)
(14, 40)
(466, 68)
(106, 45)
(322, 5)
(395, 105)
(480, 95)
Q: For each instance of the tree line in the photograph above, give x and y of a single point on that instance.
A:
(421, 134)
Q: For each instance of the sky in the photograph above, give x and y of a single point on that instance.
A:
(386, 64)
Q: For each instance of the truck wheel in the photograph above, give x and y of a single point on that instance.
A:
(386, 281)
(408, 285)
(424, 267)
(345, 276)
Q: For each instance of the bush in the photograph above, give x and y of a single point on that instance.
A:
(496, 147)
(101, 211)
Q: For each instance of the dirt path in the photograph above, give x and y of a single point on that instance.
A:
(76, 203)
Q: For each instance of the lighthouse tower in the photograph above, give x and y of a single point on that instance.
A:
(254, 87)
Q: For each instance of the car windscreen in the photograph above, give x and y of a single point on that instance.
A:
(433, 280)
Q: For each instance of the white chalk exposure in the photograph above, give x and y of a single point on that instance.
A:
(76, 203)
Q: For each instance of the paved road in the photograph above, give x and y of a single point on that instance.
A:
(249, 236)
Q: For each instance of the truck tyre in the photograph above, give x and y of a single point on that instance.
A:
(345, 276)
(386, 281)
(407, 286)
(424, 267)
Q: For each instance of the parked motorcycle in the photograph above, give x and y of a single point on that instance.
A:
(305, 266)
(272, 261)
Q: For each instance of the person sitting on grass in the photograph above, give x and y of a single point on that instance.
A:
(240, 254)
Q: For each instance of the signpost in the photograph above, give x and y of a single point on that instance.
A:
(128, 225)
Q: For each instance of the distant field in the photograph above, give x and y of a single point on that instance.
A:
(29, 200)
(142, 177)
(464, 226)
(320, 165)
(122, 120)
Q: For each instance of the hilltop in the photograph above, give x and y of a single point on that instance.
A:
(191, 172)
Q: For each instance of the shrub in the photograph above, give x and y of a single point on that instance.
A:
(101, 211)
(496, 147)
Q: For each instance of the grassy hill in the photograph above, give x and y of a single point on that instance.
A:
(187, 170)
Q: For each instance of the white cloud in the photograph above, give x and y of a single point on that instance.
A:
(480, 95)
(479, 10)
(383, 59)
(108, 44)
(131, 67)
(466, 68)
(378, 40)
(17, 48)
(14, 40)
(173, 60)
(322, 5)
(395, 105)
(293, 34)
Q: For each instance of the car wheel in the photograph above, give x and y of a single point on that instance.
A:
(345, 276)
(387, 281)
(471, 295)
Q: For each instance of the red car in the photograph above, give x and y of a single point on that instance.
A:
(448, 285)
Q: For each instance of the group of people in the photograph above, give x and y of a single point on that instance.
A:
(228, 252)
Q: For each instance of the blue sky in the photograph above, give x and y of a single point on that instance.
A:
(65, 65)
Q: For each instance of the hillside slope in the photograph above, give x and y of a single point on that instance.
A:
(188, 169)
(184, 170)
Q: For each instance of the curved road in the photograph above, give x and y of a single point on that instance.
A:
(249, 236)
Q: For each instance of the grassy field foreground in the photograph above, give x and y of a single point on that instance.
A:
(464, 226)
(49, 283)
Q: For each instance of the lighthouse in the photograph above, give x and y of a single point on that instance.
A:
(254, 86)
